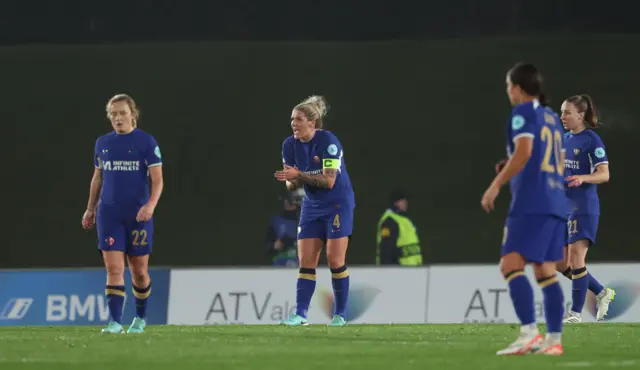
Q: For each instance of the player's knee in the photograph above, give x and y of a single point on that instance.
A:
(139, 271)
(562, 266)
(139, 265)
(115, 275)
(335, 261)
(577, 262)
(308, 260)
(139, 275)
(115, 278)
(577, 255)
(511, 262)
(505, 269)
(565, 270)
(544, 270)
(336, 257)
(308, 263)
(115, 270)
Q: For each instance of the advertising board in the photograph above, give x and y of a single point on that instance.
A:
(72, 297)
(266, 296)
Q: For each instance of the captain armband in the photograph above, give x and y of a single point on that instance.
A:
(330, 163)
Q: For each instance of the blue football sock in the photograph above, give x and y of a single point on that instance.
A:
(115, 300)
(521, 294)
(553, 303)
(580, 285)
(340, 282)
(142, 295)
(594, 285)
(305, 287)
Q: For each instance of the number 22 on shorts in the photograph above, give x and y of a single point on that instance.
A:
(139, 238)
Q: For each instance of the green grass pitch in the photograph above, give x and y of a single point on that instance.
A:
(371, 347)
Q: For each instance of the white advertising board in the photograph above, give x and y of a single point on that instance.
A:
(266, 296)
(460, 294)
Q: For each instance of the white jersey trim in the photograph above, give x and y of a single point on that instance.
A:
(524, 134)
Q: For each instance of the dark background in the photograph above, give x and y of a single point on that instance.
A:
(417, 94)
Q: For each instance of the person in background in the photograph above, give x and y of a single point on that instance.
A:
(398, 242)
(281, 238)
(586, 166)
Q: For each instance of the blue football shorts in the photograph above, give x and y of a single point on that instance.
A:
(537, 238)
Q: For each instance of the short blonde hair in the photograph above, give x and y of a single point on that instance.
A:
(135, 113)
(314, 108)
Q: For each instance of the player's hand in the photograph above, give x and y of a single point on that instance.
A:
(145, 213)
(500, 165)
(574, 181)
(278, 245)
(287, 174)
(489, 198)
(88, 219)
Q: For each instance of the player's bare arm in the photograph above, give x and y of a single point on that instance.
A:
(515, 164)
(500, 165)
(94, 189)
(599, 176)
(519, 159)
(326, 180)
(157, 184)
(293, 176)
(89, 217)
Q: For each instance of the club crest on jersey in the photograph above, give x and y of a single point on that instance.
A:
(332, 149)
(576, 151)
(599, 152)
(316, 159)
(517, 122)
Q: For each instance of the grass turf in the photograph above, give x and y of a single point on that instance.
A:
(371, 347)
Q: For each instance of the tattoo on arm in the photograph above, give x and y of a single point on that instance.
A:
(319, 181)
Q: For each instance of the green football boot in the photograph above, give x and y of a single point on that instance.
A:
(295, 320)
(137, 326)
(337, 321)
(113, 328)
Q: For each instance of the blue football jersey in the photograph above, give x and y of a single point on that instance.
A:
(125, 160)
(585, 151)
(538, 189)
(323, 150)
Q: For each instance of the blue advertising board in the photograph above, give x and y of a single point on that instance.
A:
(72, 297)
